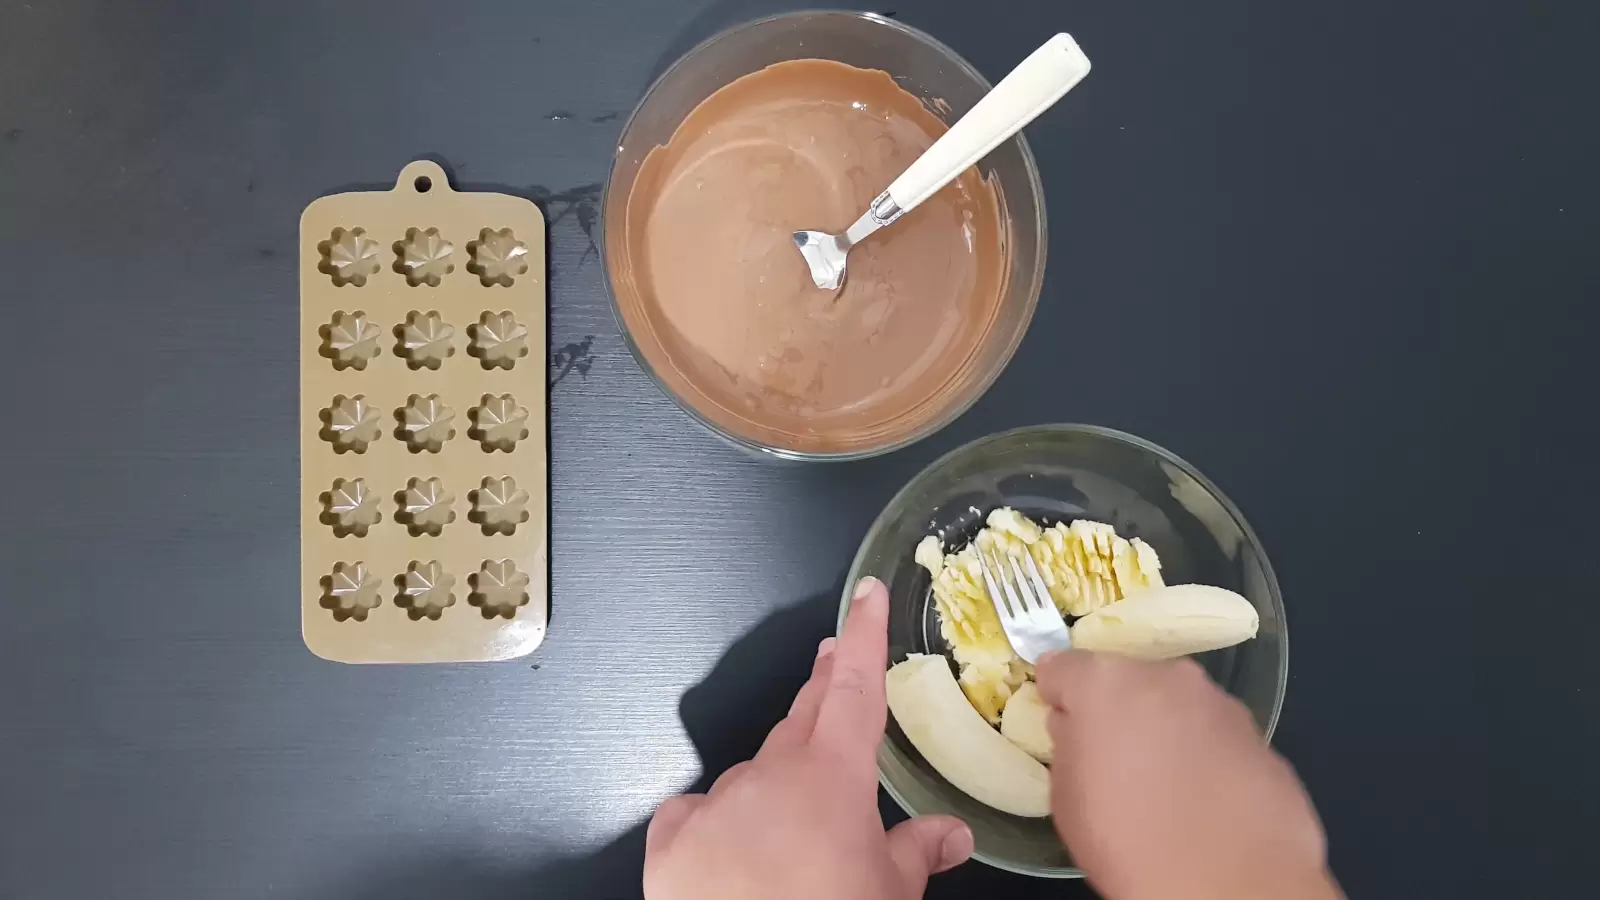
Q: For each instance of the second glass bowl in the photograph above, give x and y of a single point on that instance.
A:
(1057, 473)
(921, 65)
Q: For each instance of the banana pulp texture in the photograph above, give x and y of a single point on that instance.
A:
(1112, 585)
(936, 717)
(1167, 622)
(1085, 565)
(1025, 722)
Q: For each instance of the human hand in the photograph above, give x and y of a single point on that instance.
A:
(801, 819)
(1162, 786)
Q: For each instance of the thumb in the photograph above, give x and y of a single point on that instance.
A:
(927, 845)
(668, 820)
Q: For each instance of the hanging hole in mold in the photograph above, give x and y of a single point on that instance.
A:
(423, 184)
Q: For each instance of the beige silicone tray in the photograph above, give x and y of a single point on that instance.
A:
(424, 507)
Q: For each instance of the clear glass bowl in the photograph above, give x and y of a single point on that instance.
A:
(1056, 473)
(921, 65)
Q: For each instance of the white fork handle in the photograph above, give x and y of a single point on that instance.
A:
(1030, 89)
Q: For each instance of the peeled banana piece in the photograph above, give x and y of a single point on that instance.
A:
(1025, 722)
(959, 744)
(1167, 622)
(987, 688)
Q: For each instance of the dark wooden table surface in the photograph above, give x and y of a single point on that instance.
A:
(1339, 255)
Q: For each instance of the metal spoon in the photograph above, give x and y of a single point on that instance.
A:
(1030, 89)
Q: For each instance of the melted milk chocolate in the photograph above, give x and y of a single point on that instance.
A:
(719, 300)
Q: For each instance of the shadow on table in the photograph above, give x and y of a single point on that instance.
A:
(726, 716)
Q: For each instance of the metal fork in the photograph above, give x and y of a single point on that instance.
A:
(1029, 617)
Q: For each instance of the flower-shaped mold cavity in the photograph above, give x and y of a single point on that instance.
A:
(498, 422)
(423, 257)
(424, 340)
(350, 591)
(351, 507)
(349, 257)
(497, 257)
(350, 340)
(425, 423)
(425, 507)
(498, 506)
(498, 340)
(498, 588)
(350, 424)
(424, 590)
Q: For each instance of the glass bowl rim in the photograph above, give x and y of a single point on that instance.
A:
(1274, 595)
(981, 386)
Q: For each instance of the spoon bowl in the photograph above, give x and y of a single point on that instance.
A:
(1031, 88)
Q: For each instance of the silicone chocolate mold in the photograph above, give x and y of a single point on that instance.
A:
(425, 423)
(350, 424)
(498, 422)
(497, 257)
(350, 507)
(425, 507)
(498, 505)
(406, 521)
(350, 591)
(498, 340)
(423, 257)
(424, 341)
(498, 589)
(349, 256)
(424, 590)
(350, 340)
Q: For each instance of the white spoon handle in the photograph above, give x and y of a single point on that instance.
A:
(1030, 89)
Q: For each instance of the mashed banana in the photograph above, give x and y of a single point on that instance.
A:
(1085, 566)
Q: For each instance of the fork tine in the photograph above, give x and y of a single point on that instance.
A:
(1030, 604)
(1018, 608)
(1045, 600)
(995, 596)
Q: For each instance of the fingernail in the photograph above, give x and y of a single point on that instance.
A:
(956, 849)
(826, 647)
(864, 587)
